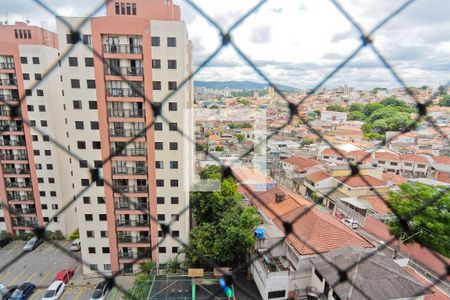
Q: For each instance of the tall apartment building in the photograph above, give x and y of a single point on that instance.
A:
(125, 61)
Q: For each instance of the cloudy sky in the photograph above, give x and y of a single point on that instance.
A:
(298, 42)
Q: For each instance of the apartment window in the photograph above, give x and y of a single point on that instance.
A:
(173, 146)
(421, 166)
(28, 92)
(42, 108)
(133, 8)
(23, 60)
(160, 182)
(156, 63)
(117, 8)
(73, 61)
(173, 126)
(26, 76)
(79, 125)
(84, 182)
(40, 180)
(104, 234)
(30, 107)
(39, 167)
(175, 233)
(162, 249)
(171, 42)
(156, 41)
(51, 180)
(88, 217)
(175, 217)
(174, 164)
(91, 250)
(49, 167)
(45, 138)
(98, 164)
(69, 39)
(75, 83)
(381, 162)
(160, 200)
(105, 250)
(128, 9)
(87, 39)
(96, 145)
(158, 126)
(174, 182)
(81, 144)
(394, 164)
(173, 106)
(174, 249)
(92, 104)
(35, 60)
(159, 146)
(52, 194)
(174, 200)
(100, 200)
(94, 125)
(41, 193)
(93, 267)
(156, 85)
(90, 234)
(47, 152)
(161, 217)
(90, 84)
(122, 8)
(77, 104)
(159, 164)
(37, 76)
(83, 164)
(172, 85)
(87, 200)
(89, 61)
(102, 217)
(44, 206)
(44, 123)
(171, 64)
(160, 233)
(40, 93)
(32, 123)
(46, 219)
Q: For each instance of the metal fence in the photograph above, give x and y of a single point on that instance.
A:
(226, 36)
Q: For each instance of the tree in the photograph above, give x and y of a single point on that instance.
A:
(426, 211)
(173, 265)
(211, 172)
(219, 148)
(318, 112)
(336, 107)
(214, 106)
(442, 90)
(356, 116)
(240, 137)
(445, 101)
(392, 101)
(306, 142)
(147, 267)
(370, 108)
(356, 107)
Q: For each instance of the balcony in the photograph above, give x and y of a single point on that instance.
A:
(125, 92)
(8, 82)
(18, 171)
(16, 197)
(131, 206)
(9, 98)
(133, 239)
(129, 170)
(27, 223)
(129, 152)
(18, 184)
(7, 66)
(127, 132)
(133, 255)
(132, 223)
(123, 71)
(14, 157)
(12, 143)
(22, 211)
(122, 48)
(126, 113)
(10, 127)
(130, 188)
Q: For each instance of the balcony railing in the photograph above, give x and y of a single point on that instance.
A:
(125, 92)
(126, 132)
(133, 239)
(130, 188)
(7, 98)
(126, 113)
(129, 152)
(129, 170)
(22, 211)
(12, 143)
(131, 206)
(7, 127)
(8, 82)
(20, 222)
(132, 255)
(15, 197)
(7, 66)
(14, 156)
(123, 71)
(122, 48)
(16, 171)
(18, 184)
(132, 223)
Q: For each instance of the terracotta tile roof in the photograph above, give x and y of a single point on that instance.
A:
(301, 163)
(331, 151)
(414, 158)
(377, 203)
(361, 181)
(387, 155)
(445, 160)
(394, 178)
(318, 176)
(437, 294)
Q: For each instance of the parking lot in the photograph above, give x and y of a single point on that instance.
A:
(41, 266)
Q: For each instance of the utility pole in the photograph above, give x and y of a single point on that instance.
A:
(401, 241)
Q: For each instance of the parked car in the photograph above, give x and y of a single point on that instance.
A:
(23, 292)
(351, 223)
(65, 275)
(3, 290)
(54, 291)
(8, 292)
(101, 291)
(4, 240)
(76, 245)
(32, 244)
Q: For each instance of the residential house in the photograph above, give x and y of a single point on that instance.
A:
(333, 116)
(293, 170)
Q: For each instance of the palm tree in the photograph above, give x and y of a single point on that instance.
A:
(173, 265)
(147, 267)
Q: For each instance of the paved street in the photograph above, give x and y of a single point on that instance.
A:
(41, 266)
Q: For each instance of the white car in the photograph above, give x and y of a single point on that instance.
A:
(76, 245)
(54, 291)
(3, 290)
(351, 223)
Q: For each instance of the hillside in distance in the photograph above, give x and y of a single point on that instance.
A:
(238, 85)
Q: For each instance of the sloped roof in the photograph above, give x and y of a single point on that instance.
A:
(445, 160)
(301, 163)
(394, 178)
(361, 181)
(387, 155)
(317, 176)
(437, 294)
(376, 275)
(414, 158)
(377, 203)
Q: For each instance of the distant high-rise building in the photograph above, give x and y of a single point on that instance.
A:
(271, 92)
(227, 92)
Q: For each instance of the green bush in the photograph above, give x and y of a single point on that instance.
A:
(75, 235)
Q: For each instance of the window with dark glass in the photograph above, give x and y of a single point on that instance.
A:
(90, 84)
(172, 85)
(75, 83)
(173, 146)
(73, 61)
(35, 60)
(171, 42)
(156, 85)
(156, 63)
(171, 64)
(23, 60)
(158, 146)
(89, 61)
(156, 41)
(173, 106)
